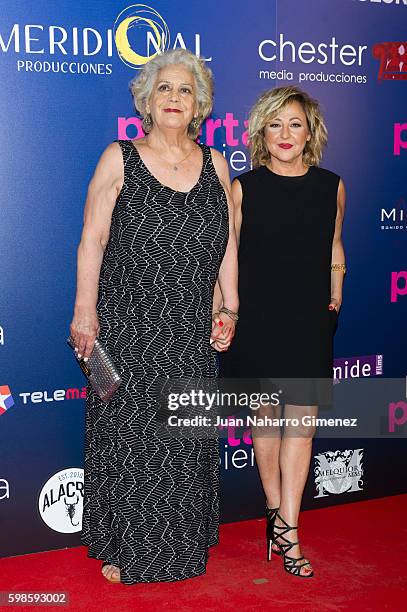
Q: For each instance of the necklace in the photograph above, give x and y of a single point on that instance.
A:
(176, 164)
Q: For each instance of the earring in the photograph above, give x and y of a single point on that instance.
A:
(195, 124)
(147, 122)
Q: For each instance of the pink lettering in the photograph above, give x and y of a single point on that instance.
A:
(124, 122)
(211, 126)
(399, 144)
(245, 135)
(232, 440)
(393, 419)
(229, 122)
(247, 437)
(395, 289)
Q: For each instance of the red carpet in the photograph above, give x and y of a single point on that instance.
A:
(357, 551)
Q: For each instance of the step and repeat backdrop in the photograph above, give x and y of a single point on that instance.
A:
(65, 96)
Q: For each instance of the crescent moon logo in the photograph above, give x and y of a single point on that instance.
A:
(129, 24)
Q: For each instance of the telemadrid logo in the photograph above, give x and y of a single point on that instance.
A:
(60, 501)
(6, 399)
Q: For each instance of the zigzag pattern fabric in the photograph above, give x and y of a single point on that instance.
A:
(151, 501)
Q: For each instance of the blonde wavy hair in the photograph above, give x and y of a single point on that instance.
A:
(142, 86)
(268, 106)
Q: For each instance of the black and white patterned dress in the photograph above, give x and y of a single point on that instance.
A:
(151, 504)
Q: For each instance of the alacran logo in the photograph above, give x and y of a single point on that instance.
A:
(60, 501)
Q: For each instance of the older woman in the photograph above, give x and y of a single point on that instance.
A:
(158, 232)
(288, 214)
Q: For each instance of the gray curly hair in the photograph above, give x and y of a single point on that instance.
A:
(142, 86)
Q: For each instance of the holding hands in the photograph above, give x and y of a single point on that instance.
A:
(335, 304)
(223, 329)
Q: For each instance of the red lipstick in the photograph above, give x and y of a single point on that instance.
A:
(285, 145)
(171, 110)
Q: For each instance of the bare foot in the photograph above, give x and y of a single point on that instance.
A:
(111, 572)
(295, 551)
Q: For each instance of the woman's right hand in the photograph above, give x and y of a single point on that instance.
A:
(223, 330)
(84, 330)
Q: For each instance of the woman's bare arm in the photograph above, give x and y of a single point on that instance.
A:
(237, 196)
(338, 254)
(226, 293)
(103, 190)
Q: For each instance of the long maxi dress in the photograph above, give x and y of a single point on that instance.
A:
(151, 503)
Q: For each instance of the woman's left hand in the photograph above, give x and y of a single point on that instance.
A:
(223, 330)
(334, 304)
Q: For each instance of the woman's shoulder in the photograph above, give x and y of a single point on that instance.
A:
(250, 179)
(217, 157)
(326, 174)
(248, 176)
(219, 163)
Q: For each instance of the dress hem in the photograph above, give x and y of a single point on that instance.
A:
(91, 555)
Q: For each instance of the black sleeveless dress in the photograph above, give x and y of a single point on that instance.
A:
(151, 503)
(285, 329)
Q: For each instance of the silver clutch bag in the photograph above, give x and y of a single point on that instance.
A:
(100, 370)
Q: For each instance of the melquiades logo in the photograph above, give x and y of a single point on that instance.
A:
(398, 285)
(394, 219)
(139, 33)
(60, 501)
(358, 367)
(6, 399)
(338, 472)
(4, 489)
(393, 60)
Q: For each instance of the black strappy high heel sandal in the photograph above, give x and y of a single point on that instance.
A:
(271, 514)
(291, 565)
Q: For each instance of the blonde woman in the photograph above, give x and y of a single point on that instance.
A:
(158, 232)
(288, 216)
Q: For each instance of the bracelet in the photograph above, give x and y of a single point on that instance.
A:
(232, 315)
(338, 267)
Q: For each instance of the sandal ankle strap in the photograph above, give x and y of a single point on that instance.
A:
(285, 522)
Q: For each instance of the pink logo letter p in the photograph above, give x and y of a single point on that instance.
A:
(393, 419)
(395, 290)
(398, 143)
